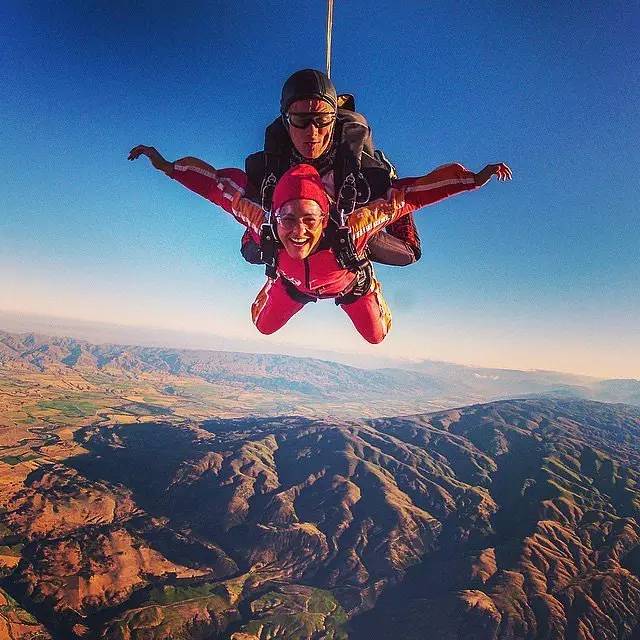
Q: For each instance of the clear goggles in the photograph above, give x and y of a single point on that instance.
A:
(289, 222)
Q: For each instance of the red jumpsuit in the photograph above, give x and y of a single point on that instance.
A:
(319, 275)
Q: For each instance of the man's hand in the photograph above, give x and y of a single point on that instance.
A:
(501, 170)
(154, 156)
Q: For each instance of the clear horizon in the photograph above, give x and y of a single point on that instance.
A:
(172, 338)
(540, 273)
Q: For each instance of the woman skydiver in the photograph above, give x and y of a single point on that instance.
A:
(310, 254)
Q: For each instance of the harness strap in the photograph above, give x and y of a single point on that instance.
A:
(346, 200)
(268, 237)
(296, 294)
(339, 238)
(269, 250)
(361, 286)
(266, 191)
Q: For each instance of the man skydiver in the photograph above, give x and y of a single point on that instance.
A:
(308, 263)
(313, 129)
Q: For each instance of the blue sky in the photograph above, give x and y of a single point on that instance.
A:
(542, 272)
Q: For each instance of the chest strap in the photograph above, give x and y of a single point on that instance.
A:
(359, 286)
(269, 250)
(296, 294)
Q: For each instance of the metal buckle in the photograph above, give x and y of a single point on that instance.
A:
(348, 186)
(268, 183)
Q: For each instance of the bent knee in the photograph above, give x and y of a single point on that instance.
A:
(412, 256)
(264, 328)
(405, 261)
(376, 334)
(375, 338)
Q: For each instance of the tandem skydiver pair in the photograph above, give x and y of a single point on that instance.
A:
(319, 204)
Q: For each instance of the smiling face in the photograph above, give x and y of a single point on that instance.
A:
(300, 226)
(311, 141)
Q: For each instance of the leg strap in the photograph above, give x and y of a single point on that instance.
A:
(362, 286)
(297, 295)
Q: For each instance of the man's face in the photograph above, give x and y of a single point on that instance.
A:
(300, 226)
(312, 140)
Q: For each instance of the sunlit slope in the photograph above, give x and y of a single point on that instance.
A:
(514, 519)
(562, 560)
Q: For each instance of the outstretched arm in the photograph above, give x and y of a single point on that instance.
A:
(224, 187)
(408, 194)
(443, 182)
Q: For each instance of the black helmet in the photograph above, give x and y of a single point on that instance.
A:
(308, 83)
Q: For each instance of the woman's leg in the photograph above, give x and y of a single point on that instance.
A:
(370, 315)
(273, 307)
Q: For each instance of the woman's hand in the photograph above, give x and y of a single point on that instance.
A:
(154, 156)
(501, 170)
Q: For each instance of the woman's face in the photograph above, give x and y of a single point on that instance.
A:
(300, 224)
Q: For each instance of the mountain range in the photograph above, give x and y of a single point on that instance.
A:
(417, 386)
(514, 519)
(139, 501)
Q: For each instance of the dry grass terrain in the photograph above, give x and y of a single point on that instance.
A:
(147, 501)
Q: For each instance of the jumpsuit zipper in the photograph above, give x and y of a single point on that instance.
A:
(306, 274)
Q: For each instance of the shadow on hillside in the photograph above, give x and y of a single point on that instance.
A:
(142, 457)
(146, 457)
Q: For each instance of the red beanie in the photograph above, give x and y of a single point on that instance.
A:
(302, 181)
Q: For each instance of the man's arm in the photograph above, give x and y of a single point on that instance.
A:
(444, 182)
(224, 187)
(409, 194)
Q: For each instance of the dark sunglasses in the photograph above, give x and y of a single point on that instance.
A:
(303, 120)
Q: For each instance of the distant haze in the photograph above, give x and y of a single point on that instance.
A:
(318, 379)
(368, 356)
